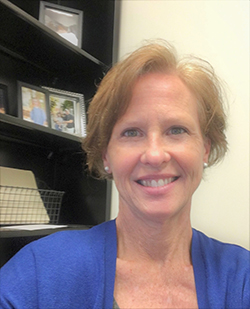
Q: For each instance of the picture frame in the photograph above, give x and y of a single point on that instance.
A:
(3, 99)
(65, 21)
(33, 104)
(67, 111)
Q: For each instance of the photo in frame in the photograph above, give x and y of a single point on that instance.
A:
(33, 104)
(67, 111)
(3, 99)
(65, 21)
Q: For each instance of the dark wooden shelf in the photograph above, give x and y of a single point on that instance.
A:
(33, 54)
(42, 48)
(24, 132)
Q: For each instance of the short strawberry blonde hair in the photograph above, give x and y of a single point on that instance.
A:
(115, 90)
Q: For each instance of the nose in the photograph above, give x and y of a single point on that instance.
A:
(156, 151)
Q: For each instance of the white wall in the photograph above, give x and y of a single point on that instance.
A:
(219, 32)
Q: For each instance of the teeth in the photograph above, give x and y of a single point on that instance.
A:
(161, 183)
(154, 183)
(157, 183)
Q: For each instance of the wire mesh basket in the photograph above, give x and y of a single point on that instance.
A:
(19, 205)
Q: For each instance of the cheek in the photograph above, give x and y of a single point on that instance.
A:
(190, 157)
(122, 161)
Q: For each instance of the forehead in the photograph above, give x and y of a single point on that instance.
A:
(158, 91)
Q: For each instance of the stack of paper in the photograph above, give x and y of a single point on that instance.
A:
(20, 200)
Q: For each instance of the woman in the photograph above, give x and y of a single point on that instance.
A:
(154, 124)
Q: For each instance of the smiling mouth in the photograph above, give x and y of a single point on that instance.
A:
(156, 183)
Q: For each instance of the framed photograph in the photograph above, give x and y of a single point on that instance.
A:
(67, 111)
(66, 22)
(3, 99)
(33, 104)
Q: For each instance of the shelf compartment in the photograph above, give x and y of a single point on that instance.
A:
(24, 132)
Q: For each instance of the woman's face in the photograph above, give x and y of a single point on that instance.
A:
(156, 151)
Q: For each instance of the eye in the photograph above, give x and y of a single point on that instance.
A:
(177, 131)
(131, 133)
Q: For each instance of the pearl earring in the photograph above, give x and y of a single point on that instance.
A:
(205, 165)
(106, 168)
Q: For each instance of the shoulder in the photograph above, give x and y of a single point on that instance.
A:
(218, 250)
(58, 267)
(73, 247)
(222, 271)
(75, 243)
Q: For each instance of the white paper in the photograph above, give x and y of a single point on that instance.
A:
(18, 205)
(32, 227)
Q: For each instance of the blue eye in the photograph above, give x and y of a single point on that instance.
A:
(177, 130)
(131, 133)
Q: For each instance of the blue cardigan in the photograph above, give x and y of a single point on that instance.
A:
(76, 269)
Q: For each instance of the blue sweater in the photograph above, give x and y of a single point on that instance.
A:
(76, 269)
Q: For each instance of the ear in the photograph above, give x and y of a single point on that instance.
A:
(207, 148)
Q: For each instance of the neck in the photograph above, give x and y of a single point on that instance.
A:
(157, 241)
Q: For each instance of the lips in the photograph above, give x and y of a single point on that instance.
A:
(155, 183)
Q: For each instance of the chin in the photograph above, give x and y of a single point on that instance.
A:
(160, 213)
